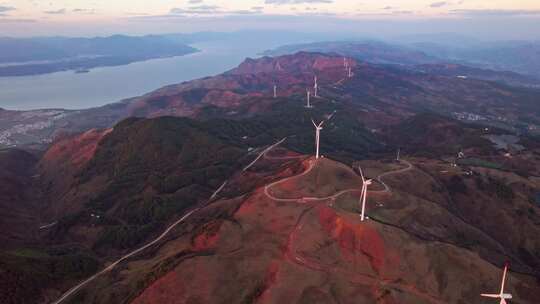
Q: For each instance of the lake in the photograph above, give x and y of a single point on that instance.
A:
(105, 85)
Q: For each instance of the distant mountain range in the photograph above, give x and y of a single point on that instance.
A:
(516, 56)
(27, 56)
(371, 51)
(31, 56)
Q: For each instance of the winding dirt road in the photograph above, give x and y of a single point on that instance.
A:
(383, 175)
(76, 288)
(359, 278)
(298, 259)
(264, 153)
(110, 267)
(267, 188)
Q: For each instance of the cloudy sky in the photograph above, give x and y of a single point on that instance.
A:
(508, 18)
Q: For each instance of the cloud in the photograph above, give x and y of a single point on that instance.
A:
(196, 10)
(402, 12)
(6, 8)
(206, 10)
(5, 20)
(195, 1)
(438, 4)
(86, 11)
(318, 14)
(494, 12)
(146, 17)
(56, 12)
(243, 12)
(283, 2)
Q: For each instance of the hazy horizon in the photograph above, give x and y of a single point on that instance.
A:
(480, 19)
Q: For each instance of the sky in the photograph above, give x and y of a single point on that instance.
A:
(502, 19)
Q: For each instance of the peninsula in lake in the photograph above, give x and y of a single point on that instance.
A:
(35, 56)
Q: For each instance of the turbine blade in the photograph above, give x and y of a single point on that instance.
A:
(504, 277)
(490, 295)
(361, 174)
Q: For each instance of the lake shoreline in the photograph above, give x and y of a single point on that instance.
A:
(108, 85)
(35, 69)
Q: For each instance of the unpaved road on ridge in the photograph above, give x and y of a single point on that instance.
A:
(298, 259)
(76, 288)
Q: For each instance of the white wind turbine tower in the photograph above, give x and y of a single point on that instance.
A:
(318, 128)
(363, 194)
(275, 91)
(501, 295)
(316, 87)
(350, 72)
(308, 93)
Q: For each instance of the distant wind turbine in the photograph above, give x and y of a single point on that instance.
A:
(318, 128)
(278, 66)
(363, 194)
(316, 87)
(308, 93)
(331, 115)
(350, 74)
(501, 295)
(275, 91)
(398, 152)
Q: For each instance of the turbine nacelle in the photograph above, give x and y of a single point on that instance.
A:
(317, 126)
(503, 296)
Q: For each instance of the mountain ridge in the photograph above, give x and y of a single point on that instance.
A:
(387, 88)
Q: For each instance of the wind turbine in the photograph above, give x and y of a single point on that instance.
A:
(278, 66)
(503, 296)
(350, 72)
(275, 91)
(308, 93)
(318, 128)
(363, 194)
(398, 152)
(315, 87)
(331, 115)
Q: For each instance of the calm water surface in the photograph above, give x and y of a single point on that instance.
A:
(110, 84)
